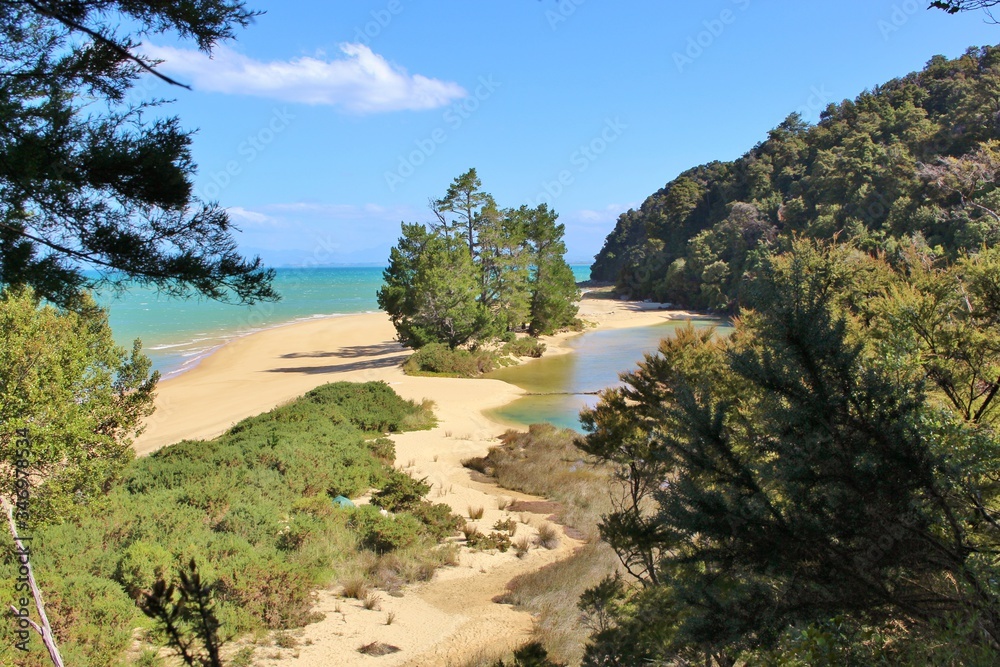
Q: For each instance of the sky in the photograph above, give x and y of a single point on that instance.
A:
(324, 125)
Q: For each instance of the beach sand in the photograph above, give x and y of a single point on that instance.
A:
(453, 617)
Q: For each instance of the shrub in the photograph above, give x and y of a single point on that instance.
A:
(383, 534)
(372, 406)
(437, 519)
(524, 347)
(439, 359)
(530, 655)
(401, 492)
(275, 591)
(493, 540)
(253, 504)
(478, 463)
(507, 524)
(383, 449)
(141, 565)
(285, 640)
(91, 616)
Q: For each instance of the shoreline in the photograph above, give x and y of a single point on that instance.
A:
(257, 371)
(228, 337)
(453, 616)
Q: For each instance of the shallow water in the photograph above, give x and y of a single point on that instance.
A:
(567, 382)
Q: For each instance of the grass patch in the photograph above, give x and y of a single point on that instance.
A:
(372, 602)
(545, 462)
(356, 588)
(475, 513)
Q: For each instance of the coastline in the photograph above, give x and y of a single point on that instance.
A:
(454, 616)
(258, 371)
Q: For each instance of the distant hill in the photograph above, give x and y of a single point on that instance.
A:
(917, 157)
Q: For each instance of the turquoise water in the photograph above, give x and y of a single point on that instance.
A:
(565, 384)
(176, 333)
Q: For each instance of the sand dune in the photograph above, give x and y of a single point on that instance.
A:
(453, 617)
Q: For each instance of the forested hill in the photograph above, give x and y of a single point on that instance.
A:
(915, 157)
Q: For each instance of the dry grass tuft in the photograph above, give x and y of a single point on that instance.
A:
(522, 546)
(548, 536)
(357, 588)
(372, 602)
(476, 513)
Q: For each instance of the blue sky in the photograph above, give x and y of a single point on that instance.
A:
(326, 124)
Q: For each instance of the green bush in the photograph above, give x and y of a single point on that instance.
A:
(437, 518)
(383, 449)
(141, 564)
(530, 655)
(401, 492)
(524, 347)
(383, 534)
(372, 406)
(439, 359)
(92, 614)
(492, 540)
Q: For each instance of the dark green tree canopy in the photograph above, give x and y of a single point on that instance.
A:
(478, 272)
(87, 179)
(915, 158)
(830, 465)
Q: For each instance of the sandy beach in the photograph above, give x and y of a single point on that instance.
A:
(453, 617)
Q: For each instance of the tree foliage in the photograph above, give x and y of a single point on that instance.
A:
(833, 463)
(87, 178)
(481, 273)
(78, 397)
(914, 158)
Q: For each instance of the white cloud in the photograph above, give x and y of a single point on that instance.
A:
(602, 216)
(255, 217)
(347, 211)
(359, 82)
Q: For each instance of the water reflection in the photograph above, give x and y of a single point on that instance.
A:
(567, 382)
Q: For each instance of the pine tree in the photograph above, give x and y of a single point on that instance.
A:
(87, 180)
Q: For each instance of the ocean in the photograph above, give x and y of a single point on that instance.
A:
(177, 333)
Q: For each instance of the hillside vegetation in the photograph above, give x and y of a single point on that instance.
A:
(254, 508)
(915, 158)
